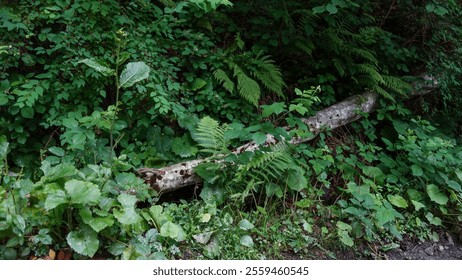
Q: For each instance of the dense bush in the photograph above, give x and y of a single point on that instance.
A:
(92, 90)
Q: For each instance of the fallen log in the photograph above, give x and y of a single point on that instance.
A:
(180, 175)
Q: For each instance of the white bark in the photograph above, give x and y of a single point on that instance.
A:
(180, 175)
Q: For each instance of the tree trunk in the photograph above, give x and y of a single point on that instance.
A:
(180, 175)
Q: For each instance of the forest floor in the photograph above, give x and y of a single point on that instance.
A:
(447, 247)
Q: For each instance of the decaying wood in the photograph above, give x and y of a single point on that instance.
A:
(180, 175)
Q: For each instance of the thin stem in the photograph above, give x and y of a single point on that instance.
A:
(111, 136)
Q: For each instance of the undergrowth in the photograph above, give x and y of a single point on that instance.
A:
(90, 91)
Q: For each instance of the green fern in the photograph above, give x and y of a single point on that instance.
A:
(339, 66)
(370, 71)
(266, 166)
(249, 73)
(396, 84)
(210, 136)
(263, 69)
(361, 53)
(247, 87)
(224, 80)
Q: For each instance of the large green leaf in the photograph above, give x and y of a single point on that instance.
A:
(27, 112)
(296, 180)
(82, 192)
(55, 199)
(245, 225)
(128, 215)
(247, 241)
(173, 231)
(133, 73)
(343, 231)
(183, 147)
(55, 173)
(96, 223)
(436, 195)
(98, 66)
(398, 201)
(416, 170)
(384, 215)
(84, 241)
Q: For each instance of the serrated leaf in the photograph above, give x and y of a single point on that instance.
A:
(398, 201)
(372, 171)
(343, 226)
(304, 203)
(99, 67)
(417, 205)
(454, 185)
(331, 9)
(416, 170)
(133, 73)
(81, 192)
(259, 138)
(384, 215)
(247, 241)
(275, 108)
(84, 241)
(96, 223)
(128, 215)
(245, 224)
(299, 108)
(55, 199)
(319, 9)
(27, 112)
(436, 195)
(459, 174)
(433, 220)
(173, 231)
(203, 238)
(296, 180)
(183, 147)
(198, 83)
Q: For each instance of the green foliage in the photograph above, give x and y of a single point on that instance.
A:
(92, 90)
(247, 69)
(210, 135)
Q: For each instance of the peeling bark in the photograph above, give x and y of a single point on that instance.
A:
(180, 175)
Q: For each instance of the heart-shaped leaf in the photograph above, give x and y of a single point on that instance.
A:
(84, 241)
(128, 215)
(436, 195)
(133, 73)
(82, 192)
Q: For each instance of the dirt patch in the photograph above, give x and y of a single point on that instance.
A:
(447, 248)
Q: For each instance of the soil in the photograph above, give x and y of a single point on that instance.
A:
(447, 248)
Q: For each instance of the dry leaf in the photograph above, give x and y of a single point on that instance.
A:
(64, 254)
(52, 254)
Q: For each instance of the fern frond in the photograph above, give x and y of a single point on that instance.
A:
(225, 81)
(210, 136)
(267, 166)
(247, 87)
(396, 84)
(263, 69)
(371, 71)
(339, 66)
(382, 92)
(364, 54)
(305, 46)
